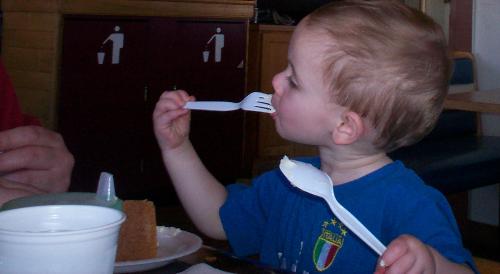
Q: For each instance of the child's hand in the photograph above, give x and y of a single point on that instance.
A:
(407, 254)
(171, 119)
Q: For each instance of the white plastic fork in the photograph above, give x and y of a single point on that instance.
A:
(314, 181)
(255, 101)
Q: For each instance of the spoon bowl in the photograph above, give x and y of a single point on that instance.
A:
(314, 181)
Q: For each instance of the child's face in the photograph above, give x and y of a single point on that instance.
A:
(305, 111)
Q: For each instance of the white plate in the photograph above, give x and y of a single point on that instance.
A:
(171, 246)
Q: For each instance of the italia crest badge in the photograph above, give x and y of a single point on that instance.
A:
(328, 244)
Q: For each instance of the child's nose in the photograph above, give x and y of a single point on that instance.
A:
(278, 83)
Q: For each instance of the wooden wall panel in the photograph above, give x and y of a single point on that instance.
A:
(460, 36)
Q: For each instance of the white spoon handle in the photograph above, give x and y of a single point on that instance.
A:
(356, 226)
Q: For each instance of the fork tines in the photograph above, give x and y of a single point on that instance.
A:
(264, 103)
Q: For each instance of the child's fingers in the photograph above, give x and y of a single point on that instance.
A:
(168, 117)
(176, 95)
(185, 96)
(394, 251)
(169, 96)
(166, 120)
(404, 264)
(175, 99)
(166, 105)
(380, 268)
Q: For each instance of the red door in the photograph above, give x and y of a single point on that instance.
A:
(217, 136)
(105, 109)
(102, 113)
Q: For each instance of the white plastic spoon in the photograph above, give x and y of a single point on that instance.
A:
(314, 181)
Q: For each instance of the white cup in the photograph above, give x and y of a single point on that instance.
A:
(206, 54)
(77, 239)
(100, 57)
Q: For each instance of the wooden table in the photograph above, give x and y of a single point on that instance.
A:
(213, 252)
(477, 101)
(216, 258)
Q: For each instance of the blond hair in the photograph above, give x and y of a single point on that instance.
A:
(387, 62)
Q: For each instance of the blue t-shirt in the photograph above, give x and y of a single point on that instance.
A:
(296, 231)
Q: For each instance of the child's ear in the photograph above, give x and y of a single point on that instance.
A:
(349, 129)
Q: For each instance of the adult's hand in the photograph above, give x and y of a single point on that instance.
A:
(34, 160)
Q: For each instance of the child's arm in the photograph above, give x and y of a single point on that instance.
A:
(200, 193)
(407, 254)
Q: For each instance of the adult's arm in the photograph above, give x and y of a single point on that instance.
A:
(35, 158)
